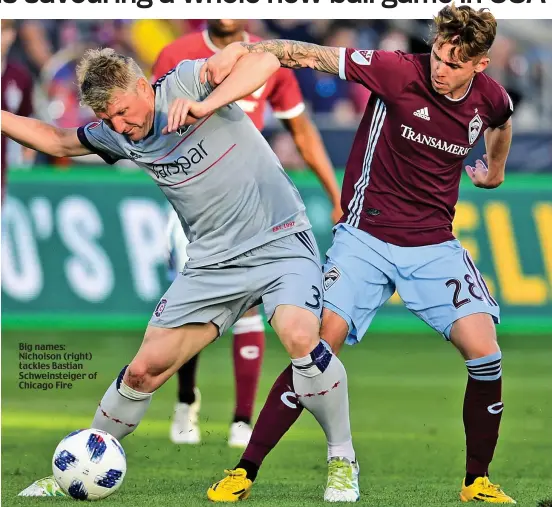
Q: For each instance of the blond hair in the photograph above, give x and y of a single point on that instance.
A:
(470, 32)
(101, 72)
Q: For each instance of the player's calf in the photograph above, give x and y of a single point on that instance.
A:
(475, 337)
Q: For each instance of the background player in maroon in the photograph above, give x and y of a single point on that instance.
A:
(425, 114)
(282, 92)
(17, 87)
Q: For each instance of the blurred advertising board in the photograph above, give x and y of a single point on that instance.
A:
(87, 248)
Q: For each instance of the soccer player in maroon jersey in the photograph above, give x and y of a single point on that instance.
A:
(425, 114)
(282, 93)
(16, 89)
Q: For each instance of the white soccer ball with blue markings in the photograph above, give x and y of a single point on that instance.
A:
(89, 464)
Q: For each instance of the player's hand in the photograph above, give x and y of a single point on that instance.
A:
(216, 69)
(478, 174)
(182, 112)
(337, 213)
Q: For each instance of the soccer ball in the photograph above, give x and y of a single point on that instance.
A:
(89, 464)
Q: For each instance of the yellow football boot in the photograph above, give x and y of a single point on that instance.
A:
(235, 486)
(483, 490)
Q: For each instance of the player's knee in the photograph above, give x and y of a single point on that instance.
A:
(140, 378)
(298, 339)
(475, 336)
(480, 349)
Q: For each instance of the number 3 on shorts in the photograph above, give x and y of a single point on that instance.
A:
(316, 295)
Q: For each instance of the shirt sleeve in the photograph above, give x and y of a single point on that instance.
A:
(165, 62)
(286, 99)
(187, 77)
(100, 139)
(385, 73)
(504, 109)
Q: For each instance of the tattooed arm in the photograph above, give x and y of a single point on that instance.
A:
(298, 55)
(292, 54)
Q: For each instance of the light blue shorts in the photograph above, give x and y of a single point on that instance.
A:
(438, 283)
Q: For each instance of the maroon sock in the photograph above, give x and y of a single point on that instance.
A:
(482, 414)
(279, 413)
(187, 381)
(248, 351)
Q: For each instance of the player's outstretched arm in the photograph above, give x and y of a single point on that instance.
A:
(298, 55)
(497, 143)
(290, 53)
(239, 83)
(43, 137)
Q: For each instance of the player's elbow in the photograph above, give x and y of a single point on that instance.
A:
(62, 143)
(58, 150)
(271, 62)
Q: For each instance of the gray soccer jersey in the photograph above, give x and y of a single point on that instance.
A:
(225, 183)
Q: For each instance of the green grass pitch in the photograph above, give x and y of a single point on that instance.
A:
(406, 399)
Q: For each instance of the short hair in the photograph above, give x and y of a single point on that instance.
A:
(471, 32)
(101, 72)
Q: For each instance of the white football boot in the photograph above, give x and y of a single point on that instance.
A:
(44, 487)
(342, 483)
(185, 423)
(239, 435)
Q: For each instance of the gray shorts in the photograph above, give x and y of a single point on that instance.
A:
(285, 271)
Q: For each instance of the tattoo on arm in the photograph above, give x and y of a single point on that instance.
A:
(297, 55)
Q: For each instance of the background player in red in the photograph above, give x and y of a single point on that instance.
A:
(282, 92)
(17, 87)
(401, 185)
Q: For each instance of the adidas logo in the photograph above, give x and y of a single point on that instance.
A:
(422, 113)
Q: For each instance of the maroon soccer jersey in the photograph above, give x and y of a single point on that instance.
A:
(16, 97)
(403, 174)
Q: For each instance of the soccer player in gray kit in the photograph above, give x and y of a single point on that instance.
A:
(250, 238)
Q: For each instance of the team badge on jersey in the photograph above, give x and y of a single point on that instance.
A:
(363, 56)
(474, 128)
(331, 277)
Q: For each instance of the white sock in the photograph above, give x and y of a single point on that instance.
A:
(320, 381)
(121, 409)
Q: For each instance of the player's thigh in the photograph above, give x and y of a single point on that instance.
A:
(289, 280)
(441, 285)
(164, 351)
(358, 280)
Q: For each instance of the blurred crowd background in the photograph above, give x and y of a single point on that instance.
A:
(47, 51)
